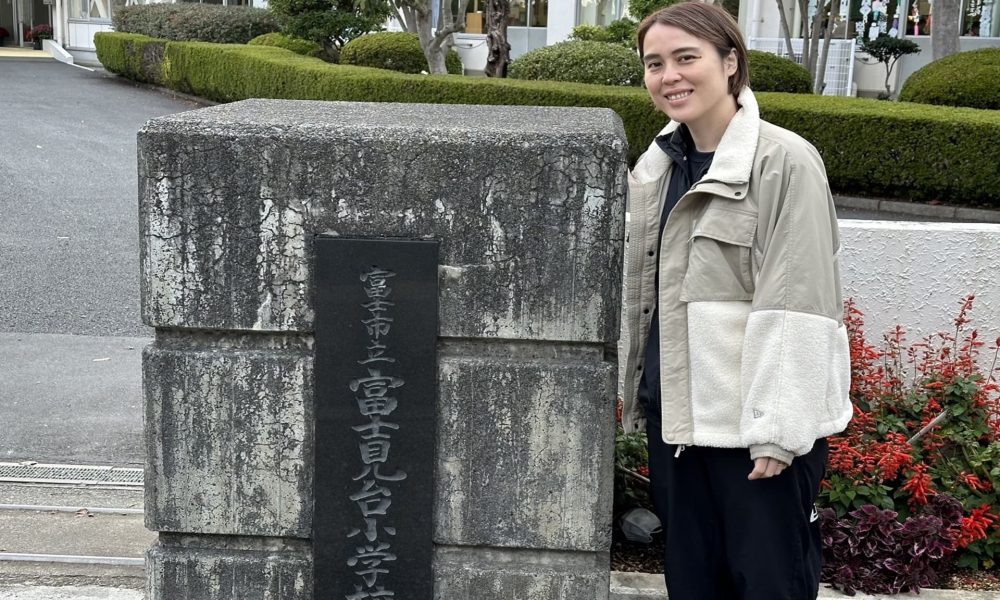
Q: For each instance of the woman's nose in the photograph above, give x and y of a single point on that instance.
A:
(670, 74)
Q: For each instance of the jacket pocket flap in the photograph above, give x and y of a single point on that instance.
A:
(729, 226)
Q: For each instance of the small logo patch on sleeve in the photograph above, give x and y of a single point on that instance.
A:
(757, 413)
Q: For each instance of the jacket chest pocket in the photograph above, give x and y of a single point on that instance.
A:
(719, 263)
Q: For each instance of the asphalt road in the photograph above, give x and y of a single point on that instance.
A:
(70, 332)
(69, 242)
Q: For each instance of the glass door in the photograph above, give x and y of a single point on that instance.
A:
(8, 22)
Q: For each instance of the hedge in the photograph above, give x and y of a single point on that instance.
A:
(580, 61)
(969, 79)
(772, 73)
(195, 22)
(393, 50)
(898, 150)
(296, 45)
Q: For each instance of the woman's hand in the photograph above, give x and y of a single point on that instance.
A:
(764, 467)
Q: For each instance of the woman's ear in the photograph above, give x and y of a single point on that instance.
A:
(731, 63)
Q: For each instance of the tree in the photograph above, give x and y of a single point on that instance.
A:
(497, 13)
(819, 29)
(331, 23)
(417, 16)
(887, 50)
(944, 28)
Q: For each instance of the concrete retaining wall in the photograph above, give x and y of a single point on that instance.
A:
(916, 275)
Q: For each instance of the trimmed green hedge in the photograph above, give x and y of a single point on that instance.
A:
(969, 79)
(132, 55)
(393, 50)
(296, 45)
(580, 61)
(870, 147)
(772, 73)
(195, 22)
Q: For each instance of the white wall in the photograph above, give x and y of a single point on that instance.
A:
(562, 20)
(916, 274)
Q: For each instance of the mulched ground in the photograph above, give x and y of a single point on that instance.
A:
(648, 558)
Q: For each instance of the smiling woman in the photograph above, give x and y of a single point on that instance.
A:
(733, 349)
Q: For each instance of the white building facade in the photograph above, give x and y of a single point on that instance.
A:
(911, 19)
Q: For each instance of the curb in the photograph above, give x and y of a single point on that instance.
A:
(916, 209)
(648, 586)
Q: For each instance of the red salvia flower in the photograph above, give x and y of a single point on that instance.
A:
(919, 485)
(975, 525)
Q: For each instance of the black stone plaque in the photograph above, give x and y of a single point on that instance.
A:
(376, 397)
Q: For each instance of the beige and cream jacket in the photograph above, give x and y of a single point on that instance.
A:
(753, 349)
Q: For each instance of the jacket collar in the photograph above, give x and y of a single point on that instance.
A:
(734, 157)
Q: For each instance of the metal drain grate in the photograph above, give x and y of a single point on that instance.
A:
(75, 474)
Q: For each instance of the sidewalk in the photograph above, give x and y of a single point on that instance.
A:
(12, 52)
(79, 552)
(643, 586)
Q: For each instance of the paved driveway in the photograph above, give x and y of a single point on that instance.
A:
(69, 228)
(70, 332)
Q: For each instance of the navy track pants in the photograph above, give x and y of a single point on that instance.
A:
(728, 538)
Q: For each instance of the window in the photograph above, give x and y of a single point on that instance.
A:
(528, 13)
(980, 18)
(91, 10)
(600, 12)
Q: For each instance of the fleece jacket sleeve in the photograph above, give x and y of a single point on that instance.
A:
(795, 372)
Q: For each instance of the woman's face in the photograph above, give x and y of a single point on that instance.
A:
(685, 75)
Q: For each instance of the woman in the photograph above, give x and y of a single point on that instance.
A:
(734, 355)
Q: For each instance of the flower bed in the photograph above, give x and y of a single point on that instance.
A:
(911, 491)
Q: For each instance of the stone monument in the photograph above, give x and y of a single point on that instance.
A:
(526, 205)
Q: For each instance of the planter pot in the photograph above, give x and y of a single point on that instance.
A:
(36, 44)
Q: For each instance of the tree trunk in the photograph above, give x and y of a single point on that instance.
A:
(944, 28)
(804, 20)
(497, 13)
(785, 30)
(814, 34)
(434, 44)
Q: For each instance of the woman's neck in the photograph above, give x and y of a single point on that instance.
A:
(707, 132)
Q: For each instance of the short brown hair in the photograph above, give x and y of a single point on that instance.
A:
(707, 22)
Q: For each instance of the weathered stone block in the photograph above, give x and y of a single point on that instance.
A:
(525, 452)
(489, 574)
(197, 568)
(527, 203)
(229, 435)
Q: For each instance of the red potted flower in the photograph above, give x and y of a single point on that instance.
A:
(42, 31)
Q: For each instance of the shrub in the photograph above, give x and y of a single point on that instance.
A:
(873, 552)
(622, 31)
(926, 420)
(330, 23)
(134, 56)
(877, 148)
(296, 45)
(195, 22)
(969, 79)
(393, 50)
(772, 73)
(42, 31)
(581, 62)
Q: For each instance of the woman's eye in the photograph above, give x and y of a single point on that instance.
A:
(685, 58)
(652, 65)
